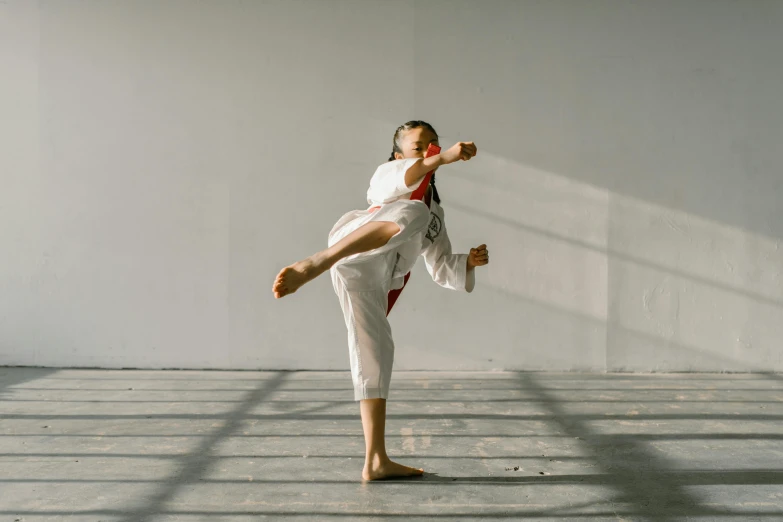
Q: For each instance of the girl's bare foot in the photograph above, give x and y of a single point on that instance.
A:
(379, 470)
(292, 277)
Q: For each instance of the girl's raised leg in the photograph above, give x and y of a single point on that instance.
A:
(365, 238)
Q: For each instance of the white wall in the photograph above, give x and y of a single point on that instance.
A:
(161, 161)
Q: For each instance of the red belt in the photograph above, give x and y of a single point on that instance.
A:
(417, 195)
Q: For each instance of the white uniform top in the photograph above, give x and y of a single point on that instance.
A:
(388, 183)
(422, 232)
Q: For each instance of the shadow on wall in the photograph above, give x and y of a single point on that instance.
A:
(630, 164)
(671, 290)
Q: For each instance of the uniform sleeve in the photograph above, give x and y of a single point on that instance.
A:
(388, 182)
(447, 269)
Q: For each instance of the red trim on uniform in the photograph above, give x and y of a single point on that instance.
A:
(394, 294)
(417, 194)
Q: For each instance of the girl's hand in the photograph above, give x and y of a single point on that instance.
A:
(478, 256)
(464, 150)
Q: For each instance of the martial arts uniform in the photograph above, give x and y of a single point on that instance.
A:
(363, 281)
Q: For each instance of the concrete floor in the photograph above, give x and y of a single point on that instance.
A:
(89, 445)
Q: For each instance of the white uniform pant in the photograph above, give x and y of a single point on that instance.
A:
(370, 343)
(362, 285)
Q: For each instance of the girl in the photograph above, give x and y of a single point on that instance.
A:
(370, 252)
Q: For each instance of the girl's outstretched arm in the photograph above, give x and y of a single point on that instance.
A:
(464, 150)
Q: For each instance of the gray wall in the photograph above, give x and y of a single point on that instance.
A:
(161, 161)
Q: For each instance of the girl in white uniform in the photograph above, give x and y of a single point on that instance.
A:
(370, 252)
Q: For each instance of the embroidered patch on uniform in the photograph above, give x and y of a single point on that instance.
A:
(433, 231)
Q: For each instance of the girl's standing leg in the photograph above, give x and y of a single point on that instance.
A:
(371, 354)
(377, 464)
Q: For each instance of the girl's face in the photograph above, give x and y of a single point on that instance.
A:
(414, 143)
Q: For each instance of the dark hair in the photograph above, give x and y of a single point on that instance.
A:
(414, 124)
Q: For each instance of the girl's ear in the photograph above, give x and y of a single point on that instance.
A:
(398, 155)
